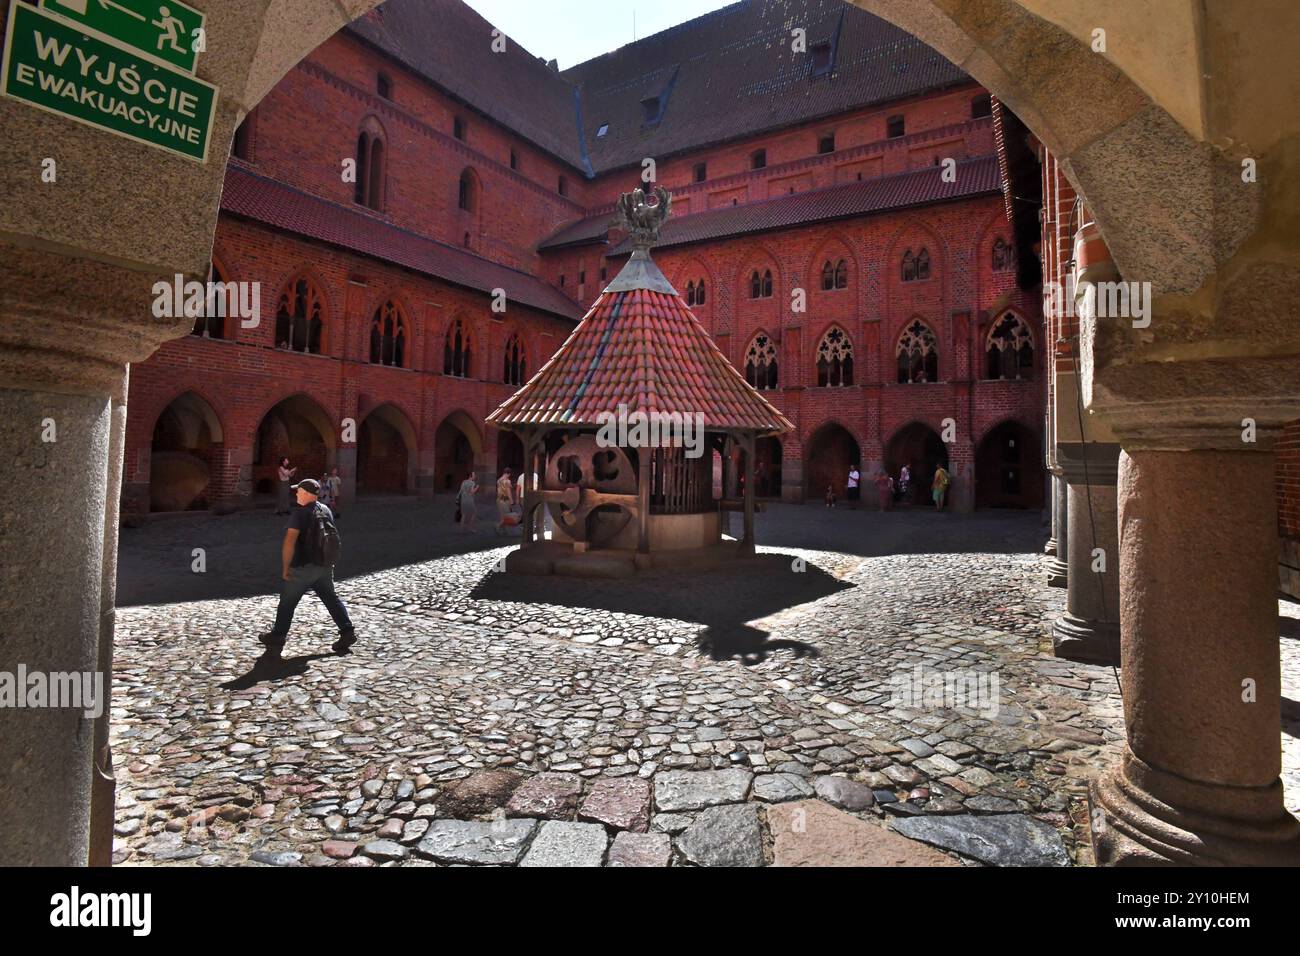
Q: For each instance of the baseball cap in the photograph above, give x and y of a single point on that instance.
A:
(309, 485)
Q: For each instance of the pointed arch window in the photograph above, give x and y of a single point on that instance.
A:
(695, 292)
(298, 319)
(699, 292)
(363, 164)
(369, 187)
(211, 322)
(835, 359)
(918, 354)
(1010, 349)
(917, 266)
(515, 371)
(1004, 256)
(760, 286)
(388, 336)
(456, 351)
(835, 275)
(690, 293)
(468, 198)
(760, 363)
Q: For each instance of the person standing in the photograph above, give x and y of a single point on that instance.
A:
(884, 489)
(306, 565)
(465, 504)
(939, 487)
(854, 489)
(335, 485)
(284, 474)
(904, 481)
(830, 496)
(505, 500)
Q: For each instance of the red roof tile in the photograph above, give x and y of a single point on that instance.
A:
(276, 204)
(647, 351)
(914, 188)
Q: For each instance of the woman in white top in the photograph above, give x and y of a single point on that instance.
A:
(465, 503)
(284, 474)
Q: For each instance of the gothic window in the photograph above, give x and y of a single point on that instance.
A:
(918, 354)
(828, 276)
(515, 371)
(699, 292)
(835, 275)
(388, 336)
(467, 197)
(456, 351)
(298, 320)
(916, 266)
(760, 285)
(760, 363)
(374, 193)
(834, 359)
(363, 163)
(211, 322)
(1010, 348)
(690, 293)
(1004, 257)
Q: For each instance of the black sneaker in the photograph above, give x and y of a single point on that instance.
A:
(273, 642)
(344, 642)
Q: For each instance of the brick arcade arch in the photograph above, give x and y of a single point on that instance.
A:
(1009, 468)
(187, 440)
(458, 448)
(386, 452)
(919, 447)
(829, 454)
(299, 429)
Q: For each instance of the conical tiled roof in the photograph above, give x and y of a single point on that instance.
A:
(641, 347)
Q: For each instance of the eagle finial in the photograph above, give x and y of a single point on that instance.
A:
(641, 219)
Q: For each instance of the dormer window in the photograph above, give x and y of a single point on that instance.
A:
(820, 52)
(600, 133)
(651, 109)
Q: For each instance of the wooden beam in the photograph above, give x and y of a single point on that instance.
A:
(747, 443)
(643, 499)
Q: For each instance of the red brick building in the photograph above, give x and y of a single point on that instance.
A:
(427, 216)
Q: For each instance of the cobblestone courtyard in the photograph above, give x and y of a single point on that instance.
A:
(738, 717)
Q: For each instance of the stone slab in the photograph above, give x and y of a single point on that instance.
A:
(724, 836)
(467, 841)
(696, 789)
(641, 849)
(547, 796)
(1001, 840)
(814, 833)
(622, 803)
(559, 843)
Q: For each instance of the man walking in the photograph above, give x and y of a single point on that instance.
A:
(306, 563)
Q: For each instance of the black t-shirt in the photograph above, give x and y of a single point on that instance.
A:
(301, 517)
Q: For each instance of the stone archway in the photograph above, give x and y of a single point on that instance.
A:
(296, 428)
(829, 454)
(386, 451)
(1009, 468)
(919, 447)
(458, 450)
(184, 453)
(767, 467)
(510, 453)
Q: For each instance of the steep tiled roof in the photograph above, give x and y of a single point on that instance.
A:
(733, 73)
(726, 74)
(275, 204)
(448, 43)
(974, 177)
(647, 351)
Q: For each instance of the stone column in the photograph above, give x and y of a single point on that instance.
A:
(1199, 780)
(1089, 630)
(1058, 568)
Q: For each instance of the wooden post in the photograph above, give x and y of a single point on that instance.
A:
(643, 499)
(530, 452)
(747, 443)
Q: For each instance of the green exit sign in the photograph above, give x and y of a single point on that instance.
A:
(164, 29)
(53, 65)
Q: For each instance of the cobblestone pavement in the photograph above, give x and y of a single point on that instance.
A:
(676, 718)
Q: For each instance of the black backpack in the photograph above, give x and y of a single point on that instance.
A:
(323, 543)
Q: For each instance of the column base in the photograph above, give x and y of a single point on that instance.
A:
(1058, 573)
(1084, 641)
(1141, 816)
(1049, 549)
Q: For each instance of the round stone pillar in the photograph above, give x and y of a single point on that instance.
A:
(1199, 780)
(1089, 630)
(1058, 569)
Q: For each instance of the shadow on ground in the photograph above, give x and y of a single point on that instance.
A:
(758, 587)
